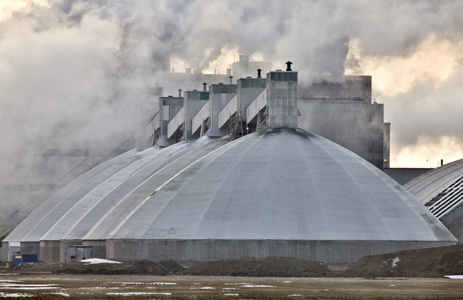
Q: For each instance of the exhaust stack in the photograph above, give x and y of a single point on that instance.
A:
(288, 66)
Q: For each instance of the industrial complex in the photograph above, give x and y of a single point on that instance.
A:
(262, 167)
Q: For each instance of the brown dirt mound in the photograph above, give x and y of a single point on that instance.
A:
(129, 267)
(136, 267)
(267, 267)
(430, 262)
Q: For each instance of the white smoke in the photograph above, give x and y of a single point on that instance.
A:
(74, 72)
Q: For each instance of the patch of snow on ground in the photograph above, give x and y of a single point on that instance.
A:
(231, 295)
(92, 261)
(27, 285)
(15, 295)
(30, 288)
(138, 294)
(295, 295)
(454, 276)
(60, 294)
(394, 261)
(257, 285)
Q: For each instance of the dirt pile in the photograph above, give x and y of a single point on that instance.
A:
(129, 267)
(431, 262)
(267, 267)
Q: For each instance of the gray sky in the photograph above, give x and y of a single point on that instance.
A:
(71, 71)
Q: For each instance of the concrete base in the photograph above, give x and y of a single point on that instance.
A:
(162, 142)
(99, 248)
(49, 251)
(214, 132)
(65, 249)
(211, 250)
(30, 248)
(4, 252)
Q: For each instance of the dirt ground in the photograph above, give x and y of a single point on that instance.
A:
(417, 274)
(40, 286)
(424, 263)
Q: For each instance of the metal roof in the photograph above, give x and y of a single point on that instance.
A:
(284, 184)
(441, 190)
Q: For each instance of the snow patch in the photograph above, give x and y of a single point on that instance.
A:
(60, 294)
(138, 294)
(257, 286)
(92, 261)
(15, 295)
(454, 276)
(394, 261)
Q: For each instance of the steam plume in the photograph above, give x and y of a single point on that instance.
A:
(73, 72)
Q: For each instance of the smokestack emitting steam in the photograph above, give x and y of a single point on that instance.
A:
(71, 72)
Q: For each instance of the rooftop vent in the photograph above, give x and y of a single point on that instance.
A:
(259, 72)
(204, 86)
(180, 92)
(288, 66)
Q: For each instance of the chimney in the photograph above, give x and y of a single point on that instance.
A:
(288, 66)
(281, 99)
(204, 86)
(259, 72)
(179, 93)
(231, 79)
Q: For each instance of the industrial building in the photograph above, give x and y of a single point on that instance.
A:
(441, 191)
(342, 111)
(277, 190)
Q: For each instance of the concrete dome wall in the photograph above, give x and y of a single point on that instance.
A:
(277, 192)
(282, 184)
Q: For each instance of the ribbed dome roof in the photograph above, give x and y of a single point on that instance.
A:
(441, 189)
(278, 184)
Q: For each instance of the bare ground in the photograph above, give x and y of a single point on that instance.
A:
(417, 274)
(222, 287)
